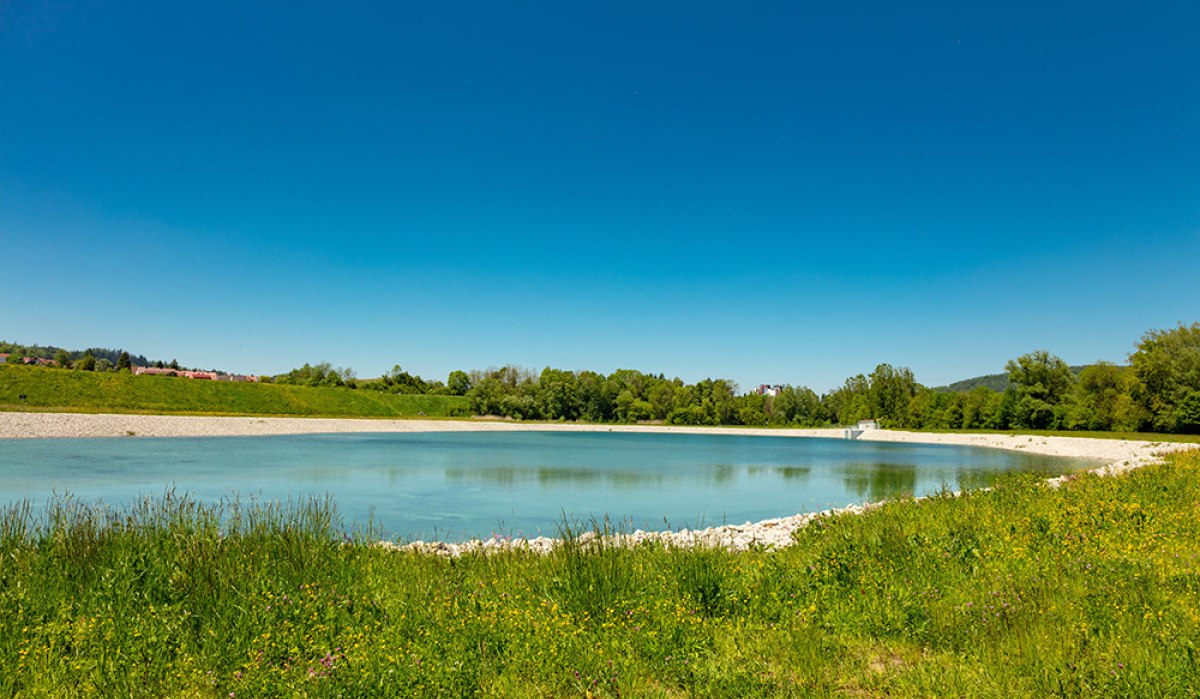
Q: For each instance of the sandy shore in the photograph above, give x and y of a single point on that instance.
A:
(41, 425)
(1117, 456)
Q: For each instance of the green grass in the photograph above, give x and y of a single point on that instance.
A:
(120, 392)
(1092, 589)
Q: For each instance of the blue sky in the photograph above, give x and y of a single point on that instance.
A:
(768, 192)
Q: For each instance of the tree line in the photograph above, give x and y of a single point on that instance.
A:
(1158, 391)
(91, 359)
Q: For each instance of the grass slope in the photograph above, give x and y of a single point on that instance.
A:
(85, 391)
(1088, 590)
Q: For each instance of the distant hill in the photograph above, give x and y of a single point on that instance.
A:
(996, 382)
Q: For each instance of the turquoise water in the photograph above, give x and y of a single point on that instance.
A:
(452, 485)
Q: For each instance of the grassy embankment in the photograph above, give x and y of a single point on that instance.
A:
(120, 392)
(1088, 590)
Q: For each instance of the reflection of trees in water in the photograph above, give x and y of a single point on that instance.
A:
(789, 473)
(974, 478)
(876, 481)
(879, 481)
(500, 475)
(549, 475)
(395, 474)
(794, 473)
(717, 474)
(722, 473)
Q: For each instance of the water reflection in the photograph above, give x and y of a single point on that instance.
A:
(794, 473)
(552, 476)
(879, 481)
(974, 478)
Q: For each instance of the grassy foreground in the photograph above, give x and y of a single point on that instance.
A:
(1089, 590)
(121, 392)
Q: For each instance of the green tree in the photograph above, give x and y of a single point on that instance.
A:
(1033, 412)
(395, 381)
(689, 415)
(1041, 382)
(935, 410)
(1187, 414)
(520, 405)
(123, 362)
(753, 409)
(979, 408)
(86, 363)
(891, 390)
(487, 396)
(1104, 399)
(596, 397)
(851, 402)
(1041, 375)
(557, 395)
(717, 400)
(1167, 365)
(797, 405)
(661, 397)
(459, 382)
(320, 374)
(63, 359)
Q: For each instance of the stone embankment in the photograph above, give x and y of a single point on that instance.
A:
(767, 534)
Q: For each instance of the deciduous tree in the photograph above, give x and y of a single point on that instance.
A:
(1167, 365)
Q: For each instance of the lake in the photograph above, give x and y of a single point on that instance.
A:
(454, 485)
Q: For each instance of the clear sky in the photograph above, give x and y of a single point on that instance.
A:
(767, 192)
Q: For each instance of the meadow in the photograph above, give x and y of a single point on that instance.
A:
(121, 392)
(1092, 589)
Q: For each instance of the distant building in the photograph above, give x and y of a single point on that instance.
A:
(237, 378)
(153, 371)
(39, 361)
(858, 430)
(769, 390)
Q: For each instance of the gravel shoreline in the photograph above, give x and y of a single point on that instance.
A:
(1119, 456)
(68, 425)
